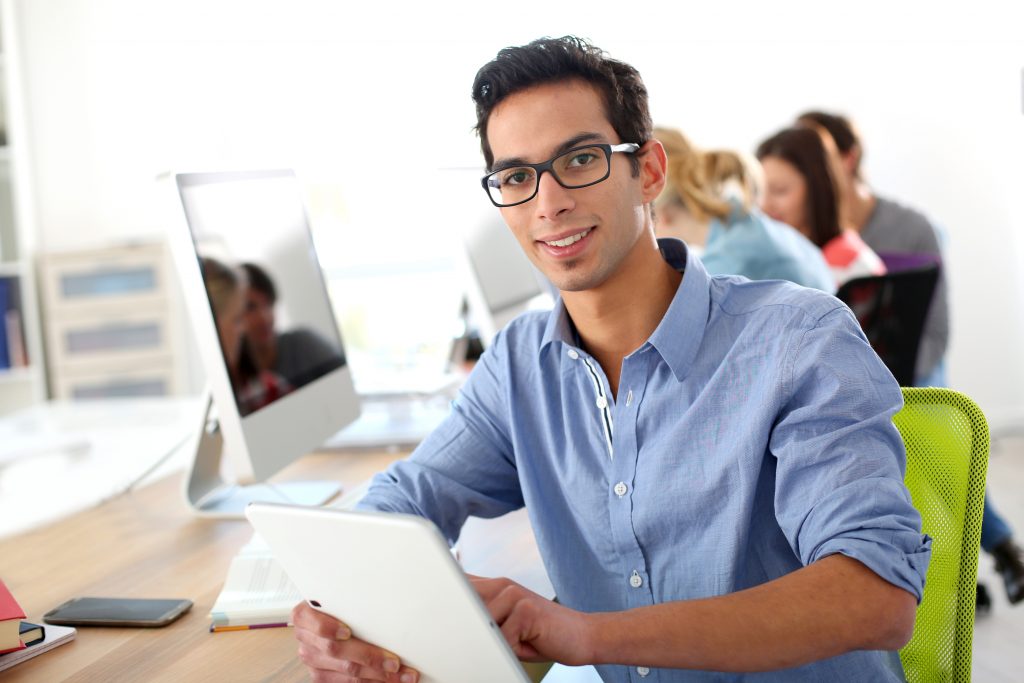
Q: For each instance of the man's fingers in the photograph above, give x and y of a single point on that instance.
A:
(352, 656)
(345, 670)
(489, 588)
(324, 625)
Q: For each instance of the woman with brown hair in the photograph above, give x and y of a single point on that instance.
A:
(802, 189)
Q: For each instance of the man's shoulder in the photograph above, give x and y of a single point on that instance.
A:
(525, 332)
(889, 212)
(771, 299)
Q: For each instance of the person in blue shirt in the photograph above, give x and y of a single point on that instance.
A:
(709, 464)
(709, 202)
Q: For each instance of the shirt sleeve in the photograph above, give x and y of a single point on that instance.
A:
(841, 461)
(465, 467)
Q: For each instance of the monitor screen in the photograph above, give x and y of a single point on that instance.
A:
(277, 377)
(274, 321)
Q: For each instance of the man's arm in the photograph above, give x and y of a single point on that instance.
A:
(464, 468)
(831, 607)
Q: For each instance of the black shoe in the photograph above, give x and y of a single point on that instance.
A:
(1010, 563)
(982, 603)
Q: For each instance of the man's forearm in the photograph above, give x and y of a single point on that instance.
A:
(833, 606)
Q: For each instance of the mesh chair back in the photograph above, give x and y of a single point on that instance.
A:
(947, 444)
(891, 309)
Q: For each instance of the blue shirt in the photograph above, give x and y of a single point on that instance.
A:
(755, 246)
(752, 435)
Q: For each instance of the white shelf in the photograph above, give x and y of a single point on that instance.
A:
(19, 387)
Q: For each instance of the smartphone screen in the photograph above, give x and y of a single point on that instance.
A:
(117, 612)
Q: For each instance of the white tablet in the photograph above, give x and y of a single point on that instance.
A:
(393, 581)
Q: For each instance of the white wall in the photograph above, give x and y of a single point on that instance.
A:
(121, 90)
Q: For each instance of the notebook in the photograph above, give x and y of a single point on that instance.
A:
(392, 579)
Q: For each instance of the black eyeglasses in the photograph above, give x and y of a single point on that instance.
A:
(579, 167)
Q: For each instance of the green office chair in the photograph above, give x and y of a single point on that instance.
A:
(947, 459)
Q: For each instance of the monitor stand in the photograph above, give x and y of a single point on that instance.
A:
(210, 495)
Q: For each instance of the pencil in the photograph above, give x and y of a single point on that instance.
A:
(246, 627)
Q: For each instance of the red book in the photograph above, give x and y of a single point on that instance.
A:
(11, 615)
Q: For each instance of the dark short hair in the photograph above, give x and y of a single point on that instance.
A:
(260, 280)
(804, 149)
(550, 60)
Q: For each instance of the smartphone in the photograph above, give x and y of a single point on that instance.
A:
(117, 612)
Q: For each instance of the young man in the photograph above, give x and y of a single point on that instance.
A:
(709, 464)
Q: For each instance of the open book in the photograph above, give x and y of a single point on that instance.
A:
(256, 594)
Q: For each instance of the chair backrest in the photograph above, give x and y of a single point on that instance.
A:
(891, 309)
(947, 444)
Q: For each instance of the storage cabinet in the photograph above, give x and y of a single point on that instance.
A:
(110, 326)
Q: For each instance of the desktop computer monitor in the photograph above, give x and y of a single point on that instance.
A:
(273, 355)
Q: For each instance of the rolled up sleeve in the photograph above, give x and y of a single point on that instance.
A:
(841, 461)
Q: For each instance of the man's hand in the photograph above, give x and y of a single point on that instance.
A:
(331, 653)
(537, 629)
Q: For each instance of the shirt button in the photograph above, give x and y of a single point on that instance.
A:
(620, 489)
(643, 671)
(573, 354)
(635, 580)
(602, 402)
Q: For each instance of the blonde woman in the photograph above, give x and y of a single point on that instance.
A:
(709, 201)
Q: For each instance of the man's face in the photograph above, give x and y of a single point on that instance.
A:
(595, 227)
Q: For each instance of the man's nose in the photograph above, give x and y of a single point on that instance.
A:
(552, 198)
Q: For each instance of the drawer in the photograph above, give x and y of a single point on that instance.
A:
(126, 276)
(100, 339)
(156, 379)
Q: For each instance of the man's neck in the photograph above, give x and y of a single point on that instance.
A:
(860, 203)
(616, 318)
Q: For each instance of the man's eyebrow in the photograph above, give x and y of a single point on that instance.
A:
(574, 141)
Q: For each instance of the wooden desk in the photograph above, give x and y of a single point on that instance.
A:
(147, 544)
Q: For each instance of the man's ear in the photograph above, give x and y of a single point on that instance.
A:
(653, 169)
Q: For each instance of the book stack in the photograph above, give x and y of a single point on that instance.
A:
(11, 615)
(12, 338)
(21, 640)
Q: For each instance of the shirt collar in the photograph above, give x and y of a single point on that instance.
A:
(681, 330)
(678, 336)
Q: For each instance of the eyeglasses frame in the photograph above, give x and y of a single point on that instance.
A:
(609, 149)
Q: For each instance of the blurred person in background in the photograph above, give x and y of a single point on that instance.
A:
(709, 201)
(227, 288)
(802, 188)
(299, 355)
(892, 228)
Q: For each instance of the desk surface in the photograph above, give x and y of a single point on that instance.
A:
(147, 544)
